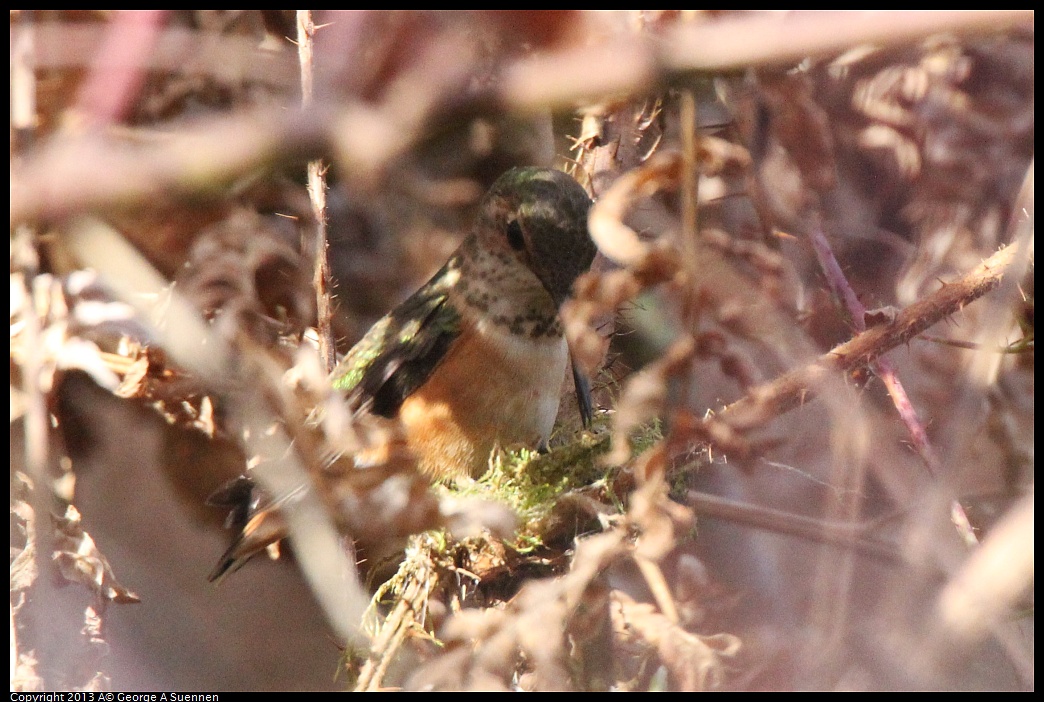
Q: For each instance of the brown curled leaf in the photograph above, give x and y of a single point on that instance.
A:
(694, 662)
(618, 242)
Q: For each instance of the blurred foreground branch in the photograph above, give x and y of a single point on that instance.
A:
(798, 386)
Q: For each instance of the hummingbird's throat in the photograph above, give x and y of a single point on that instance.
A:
(504, 292)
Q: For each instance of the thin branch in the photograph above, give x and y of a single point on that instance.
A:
(792, 389)
(321, 275)
(850, 536)
(881, 367)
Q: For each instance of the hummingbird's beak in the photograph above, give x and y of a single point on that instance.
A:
(581, 383)
(583, 392)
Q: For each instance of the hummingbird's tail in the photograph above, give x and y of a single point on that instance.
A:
(265, 530)
(257, 526)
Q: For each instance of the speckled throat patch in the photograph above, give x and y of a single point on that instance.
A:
(505, 291)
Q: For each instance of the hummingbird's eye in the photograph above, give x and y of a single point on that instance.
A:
(514, 235)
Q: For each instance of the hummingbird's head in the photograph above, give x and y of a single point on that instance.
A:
(539, 217)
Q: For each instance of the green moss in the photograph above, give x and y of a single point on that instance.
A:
(530, 482)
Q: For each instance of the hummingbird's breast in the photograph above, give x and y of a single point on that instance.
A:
(495, 386)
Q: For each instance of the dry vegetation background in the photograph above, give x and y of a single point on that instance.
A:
(810, 332)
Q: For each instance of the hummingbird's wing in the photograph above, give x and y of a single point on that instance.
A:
(400, 351)
(392, 360)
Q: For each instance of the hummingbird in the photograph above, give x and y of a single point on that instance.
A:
(475, 358)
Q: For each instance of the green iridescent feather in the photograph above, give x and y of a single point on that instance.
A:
(400, 351)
